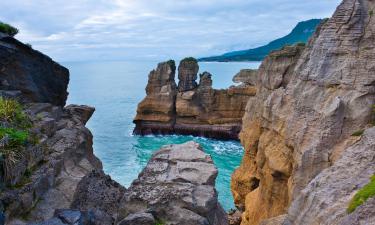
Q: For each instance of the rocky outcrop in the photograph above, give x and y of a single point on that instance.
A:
(156, 113)
(48, 171)
(301, 160)
(51, 176)
(246, 76)
(191, 109)
(176, 187)
(30, 75)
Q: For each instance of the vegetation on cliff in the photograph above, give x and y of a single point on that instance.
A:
(189, 60)
(362, 195)
(14, 132)
(300, 34)
(8, 29)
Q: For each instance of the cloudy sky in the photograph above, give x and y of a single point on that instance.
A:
(83, 30)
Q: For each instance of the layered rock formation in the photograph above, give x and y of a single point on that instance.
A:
(30, 73)
(302, 164)
(54, 177)
(189, 108)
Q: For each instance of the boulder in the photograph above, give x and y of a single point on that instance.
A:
(177, 186)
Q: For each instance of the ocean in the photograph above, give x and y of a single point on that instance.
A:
(115, 89)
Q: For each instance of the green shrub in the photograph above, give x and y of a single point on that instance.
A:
(16, 137)
(172, 64)
(371, 13)
(190, 60)
(8, 29)
(373, 115)
(362, 195)
(12, 112)
(358, 133)
(159, 222)
(301, 44)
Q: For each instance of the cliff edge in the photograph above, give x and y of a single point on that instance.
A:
(308, 132)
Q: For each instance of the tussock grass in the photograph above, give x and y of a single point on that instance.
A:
(362, 195)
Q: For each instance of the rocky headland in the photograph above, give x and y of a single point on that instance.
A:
(190, 108)
(50, 175)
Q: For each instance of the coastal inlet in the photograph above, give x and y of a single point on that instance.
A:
(115, 89)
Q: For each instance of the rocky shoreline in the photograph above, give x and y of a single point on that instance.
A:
(306, 119)
(191, 108)
(55, 178)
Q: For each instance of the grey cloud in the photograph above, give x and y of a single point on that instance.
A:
(156, 29)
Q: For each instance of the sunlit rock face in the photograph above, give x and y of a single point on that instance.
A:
(191, 108)
(297, 131)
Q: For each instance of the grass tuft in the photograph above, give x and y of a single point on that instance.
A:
(358, 133)
(362, 195)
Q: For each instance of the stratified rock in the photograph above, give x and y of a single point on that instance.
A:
(247, 76)
(38, 77)
(177, 187)
(45, 177)
(297, 131)
(187, 74)
(364, 214)
(326, 198)
(198, 110)
(156, 113)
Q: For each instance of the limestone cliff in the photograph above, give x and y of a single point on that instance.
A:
(190, 108)
(301, 158)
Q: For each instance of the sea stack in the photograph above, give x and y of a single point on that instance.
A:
(191, 108)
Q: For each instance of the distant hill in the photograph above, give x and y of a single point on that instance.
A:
(301, 33)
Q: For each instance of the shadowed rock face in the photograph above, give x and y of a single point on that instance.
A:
(191, 109)
(35, 76)
(177, 187)
(301, 159)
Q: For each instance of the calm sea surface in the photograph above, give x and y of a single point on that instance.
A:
(115, 89)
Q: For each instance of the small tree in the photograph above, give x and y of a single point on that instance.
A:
(8, 29)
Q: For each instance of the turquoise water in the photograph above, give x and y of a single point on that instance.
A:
(115, 89)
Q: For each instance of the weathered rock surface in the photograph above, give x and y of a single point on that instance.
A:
(301, 158)
(44, 179)
(34, 75)
(246, 76)
(176, 187)
(191, 109)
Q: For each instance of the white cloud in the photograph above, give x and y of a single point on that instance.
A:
(126, 29)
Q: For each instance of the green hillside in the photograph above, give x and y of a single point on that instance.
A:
(301, 33)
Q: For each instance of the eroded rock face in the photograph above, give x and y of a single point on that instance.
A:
(299, 126)
(35, 76)
(45, 178)
(194, 109)
(187, 74)
(246, 76)
(156, 113)
(176, 187)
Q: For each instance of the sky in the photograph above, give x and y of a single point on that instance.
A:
(95, 30)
